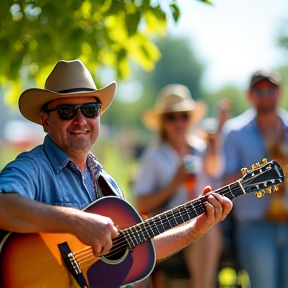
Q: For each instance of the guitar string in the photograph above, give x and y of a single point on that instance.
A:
(123, 242)
(188, 207)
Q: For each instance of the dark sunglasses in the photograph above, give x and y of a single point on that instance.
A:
(270, 92)
(69, 111)
(174, 116)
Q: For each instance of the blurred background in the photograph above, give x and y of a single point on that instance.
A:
(211, 47)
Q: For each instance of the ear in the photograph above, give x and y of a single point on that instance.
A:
(45, 121)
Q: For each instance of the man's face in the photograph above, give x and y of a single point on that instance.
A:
(264, 96)
(79, 133)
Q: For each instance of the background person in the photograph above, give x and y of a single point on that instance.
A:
(164, 182)
(261, 228)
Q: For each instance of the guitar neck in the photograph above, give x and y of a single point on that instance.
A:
(160, 223)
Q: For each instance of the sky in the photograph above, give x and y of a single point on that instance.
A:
(233, 38)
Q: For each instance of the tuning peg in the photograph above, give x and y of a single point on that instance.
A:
(264, 161)
(275, 188)
(255, 165)
(244, 171)
(259, 194)
(268, 190)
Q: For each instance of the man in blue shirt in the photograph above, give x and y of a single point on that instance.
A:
(261, 228)
(45, 189)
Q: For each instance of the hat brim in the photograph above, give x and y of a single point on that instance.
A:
(151, 118)
(32, 100)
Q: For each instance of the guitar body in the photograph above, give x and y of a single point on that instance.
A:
(34, 260)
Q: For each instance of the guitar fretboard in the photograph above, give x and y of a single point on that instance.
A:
(160, 223)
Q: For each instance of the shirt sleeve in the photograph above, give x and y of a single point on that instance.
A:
(17, 177)
(231, 153)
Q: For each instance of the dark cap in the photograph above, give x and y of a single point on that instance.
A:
(260, 75)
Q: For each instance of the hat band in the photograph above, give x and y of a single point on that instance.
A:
(75, 90)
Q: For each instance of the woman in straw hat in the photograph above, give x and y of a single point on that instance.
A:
(167, 179)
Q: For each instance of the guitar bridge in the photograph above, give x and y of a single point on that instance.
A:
(71, 264)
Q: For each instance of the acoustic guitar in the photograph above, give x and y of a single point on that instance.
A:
(47, 260)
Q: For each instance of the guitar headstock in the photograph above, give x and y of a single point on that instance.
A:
(263, 177)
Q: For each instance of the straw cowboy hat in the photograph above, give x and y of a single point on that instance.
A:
(174, 98)
(67, 79)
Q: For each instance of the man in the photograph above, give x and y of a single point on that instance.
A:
(43, 190)
(261, 227)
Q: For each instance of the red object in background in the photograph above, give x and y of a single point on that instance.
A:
(190, 181)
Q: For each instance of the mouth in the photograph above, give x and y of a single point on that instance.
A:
(79, 132)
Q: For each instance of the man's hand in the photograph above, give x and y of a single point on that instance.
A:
(217, 208)
(96, 231)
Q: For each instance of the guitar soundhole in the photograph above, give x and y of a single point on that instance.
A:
(118, 251)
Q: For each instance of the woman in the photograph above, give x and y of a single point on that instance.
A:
(164, 181)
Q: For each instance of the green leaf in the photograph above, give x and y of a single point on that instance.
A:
(132, 21)
(175, 11)
(206, 1)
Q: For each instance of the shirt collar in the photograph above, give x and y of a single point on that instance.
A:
(56, 156)
(59, 159)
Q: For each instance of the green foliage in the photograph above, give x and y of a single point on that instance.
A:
(235, 95)
(283, 35)
(178, 64)
(34, 35)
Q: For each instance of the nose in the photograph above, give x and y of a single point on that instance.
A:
(79, 118)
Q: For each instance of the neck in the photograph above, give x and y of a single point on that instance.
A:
(79, 158)
(271, 127)
(180, 146)
(268, 121)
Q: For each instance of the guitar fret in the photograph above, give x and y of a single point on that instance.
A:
(130, 240)
(158, 232)
(182, 218)
(162, 225)
(187, 213)
(152, 234)
(135, 234)
(174, 218)
(230, 191)
(167, 218)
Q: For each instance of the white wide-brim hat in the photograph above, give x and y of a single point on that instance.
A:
(174, 98)
(68, 79)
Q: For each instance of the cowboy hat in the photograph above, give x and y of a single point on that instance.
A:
(174, 98)
(67, 79)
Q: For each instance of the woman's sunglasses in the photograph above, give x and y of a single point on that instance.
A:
(69, 111)
(171, 117)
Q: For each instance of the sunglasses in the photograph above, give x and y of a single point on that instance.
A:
(270, 92)
(69, 111)
(171, 117)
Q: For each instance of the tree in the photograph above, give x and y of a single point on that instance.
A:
(178, 64)
(35, 34)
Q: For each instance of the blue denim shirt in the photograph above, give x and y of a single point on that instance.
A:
(46, 174)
